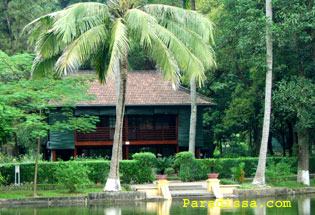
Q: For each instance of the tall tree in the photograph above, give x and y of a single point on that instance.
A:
(296, 98)
(176, 39)
(260, 172)
(193, 109)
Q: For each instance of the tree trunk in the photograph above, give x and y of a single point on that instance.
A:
(117, 85)
(303, 175)
(193, 117)
(260, 173)
(113, 182)
(270, 144)
(193, 112)
(36, 163)
(192, 4)
(290, 138)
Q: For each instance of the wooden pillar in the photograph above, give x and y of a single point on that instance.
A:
(177, 129)
(197, 155)
(75, 153)
(126, 128)
(54, 155)
(177, 149)
(127, 152)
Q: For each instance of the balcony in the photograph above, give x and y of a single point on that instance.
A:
(106, 134)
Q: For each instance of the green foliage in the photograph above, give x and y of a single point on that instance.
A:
(145, 163)
(211, 164)
(169, 171)
(25, 104)
(296, 99)
(226, 181)
(183, 158)
(278, 172)
(72, 175)
(238, 172)
(161, 164)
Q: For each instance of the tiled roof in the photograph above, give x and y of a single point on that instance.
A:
(143, 88)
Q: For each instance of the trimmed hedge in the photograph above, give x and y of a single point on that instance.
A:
(130, 171)
(139, 171)
(251, 165)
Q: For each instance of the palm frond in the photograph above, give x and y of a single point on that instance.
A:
(43, 66)
(118, 46)
(48, 45)
(100, 62)
(81, 49)
(78, 18)
(199, 47)
(190, 19)
(147, 26)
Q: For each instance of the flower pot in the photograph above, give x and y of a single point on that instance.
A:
(213, 175)
(161, 177)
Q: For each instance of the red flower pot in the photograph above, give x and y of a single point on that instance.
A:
(161, 177)
(213, 175)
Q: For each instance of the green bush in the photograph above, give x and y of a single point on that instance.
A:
(183, 157)
(278, 172)
(72, 175)
(169, 171)
(145, 163)
(238, 172)
(140, 169)
(161, 164)
(226, 181)
(190, 169)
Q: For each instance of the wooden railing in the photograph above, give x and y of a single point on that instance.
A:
(133, 133)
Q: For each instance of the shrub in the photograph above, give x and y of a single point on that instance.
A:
(161, 164)
(145, 163)
(72, 175)
(183, 157)
(226, 181)
(238, 172)
(169, 171)
(189, 168)
(278, 172)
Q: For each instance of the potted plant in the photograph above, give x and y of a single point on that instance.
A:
(211, 164)
(161, 165)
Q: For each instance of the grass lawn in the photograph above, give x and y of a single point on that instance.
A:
(288, 184)
(10, 194)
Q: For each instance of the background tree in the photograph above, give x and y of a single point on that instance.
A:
(296, 97)
(26, 104)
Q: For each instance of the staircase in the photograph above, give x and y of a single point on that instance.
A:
(195, 189)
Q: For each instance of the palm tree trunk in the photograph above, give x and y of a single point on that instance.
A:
(113, 181)
(260, 172)
(303, 175)
(36, 163)
(193, 112)
(117, 85)
(193, 117)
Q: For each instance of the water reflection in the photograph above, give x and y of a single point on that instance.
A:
(304, 206)
(299, 205)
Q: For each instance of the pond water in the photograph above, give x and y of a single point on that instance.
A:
(302, 205)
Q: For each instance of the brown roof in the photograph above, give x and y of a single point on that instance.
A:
(143, 88)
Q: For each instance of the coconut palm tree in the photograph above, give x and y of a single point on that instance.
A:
(178, 40)
(260, 172)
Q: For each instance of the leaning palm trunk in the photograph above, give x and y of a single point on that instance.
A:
(260, 172)
(36, 167)
(193, 112)
(36, 163)
(303, 175)
(113, 182)
(193, 117)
